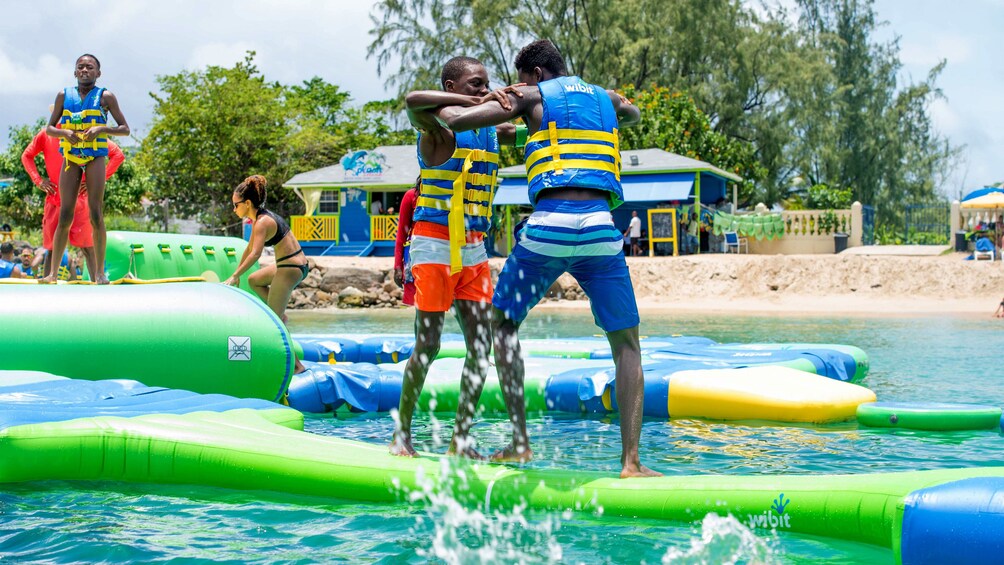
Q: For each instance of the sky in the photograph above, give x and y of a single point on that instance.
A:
(297, 39)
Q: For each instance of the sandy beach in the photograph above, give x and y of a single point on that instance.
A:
(846, 284)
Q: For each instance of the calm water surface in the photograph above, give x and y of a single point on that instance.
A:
(912, 359)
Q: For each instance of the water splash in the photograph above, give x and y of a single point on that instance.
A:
(462, 533)
(723, 540)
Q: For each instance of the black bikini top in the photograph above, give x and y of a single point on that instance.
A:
(282, 228)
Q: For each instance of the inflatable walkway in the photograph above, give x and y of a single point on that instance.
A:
(842, 362)
(58, 429)
(677, 389)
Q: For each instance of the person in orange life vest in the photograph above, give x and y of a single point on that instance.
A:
(402, 245)
(448, 256)
(81, 234)
(81, 116)
(573, 173)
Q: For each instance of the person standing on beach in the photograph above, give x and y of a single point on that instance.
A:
(79, 119)
(402, 244)
(634, 232)
(573, 171)
(448, 256)
(80, 233)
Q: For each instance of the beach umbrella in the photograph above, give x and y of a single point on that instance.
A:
(989, 200)
(982, 192)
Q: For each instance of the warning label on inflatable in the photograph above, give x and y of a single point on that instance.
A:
(238, 348)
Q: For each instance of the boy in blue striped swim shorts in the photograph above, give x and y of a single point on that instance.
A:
(573, 172)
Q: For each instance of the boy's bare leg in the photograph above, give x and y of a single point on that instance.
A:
(475, 321)
(509, 364)
(630, 399)
(69, 186)
(428, 332)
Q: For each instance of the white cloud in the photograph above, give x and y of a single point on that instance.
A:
(46, 74)
(945, 119)
(219, 54)
(956, 48)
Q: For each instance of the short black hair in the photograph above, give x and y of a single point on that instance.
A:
(6, 247)
(455, 68)
(541, 53)
(92, 57)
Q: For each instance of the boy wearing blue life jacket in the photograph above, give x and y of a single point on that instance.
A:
(81, 114)
(448, 258)
(573, 172)
(9, 266)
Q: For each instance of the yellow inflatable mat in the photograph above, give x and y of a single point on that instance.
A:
(779, 394)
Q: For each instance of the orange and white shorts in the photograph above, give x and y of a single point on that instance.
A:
(435, 287)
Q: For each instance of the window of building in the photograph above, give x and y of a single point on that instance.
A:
(328, 203)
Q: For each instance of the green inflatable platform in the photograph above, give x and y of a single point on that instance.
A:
(170, 255)
(202, 337)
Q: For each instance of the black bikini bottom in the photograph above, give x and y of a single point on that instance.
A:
(304, 269)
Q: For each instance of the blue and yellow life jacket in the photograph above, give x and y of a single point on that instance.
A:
(6, 269)
(458, 194)
(577, 145)
(80, 115)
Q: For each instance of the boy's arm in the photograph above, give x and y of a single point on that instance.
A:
(459, 118)
(121, 127)
(57, 112)
(627, 113)
(421, 105)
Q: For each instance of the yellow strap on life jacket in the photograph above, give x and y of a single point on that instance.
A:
(576, 134)
(548, 166)
(455, 221)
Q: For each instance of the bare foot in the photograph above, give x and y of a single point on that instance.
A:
(467, 453)
(51, 279)
(638, 471)
(513, 454)
(402, 448)
(103, 279)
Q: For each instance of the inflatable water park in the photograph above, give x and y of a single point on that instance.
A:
(170, 378)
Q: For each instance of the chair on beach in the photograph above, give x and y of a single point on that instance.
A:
(733, 241)
(984, 249)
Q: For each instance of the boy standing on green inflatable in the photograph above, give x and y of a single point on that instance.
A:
(448, 256)
(81, 114)
(573, 172)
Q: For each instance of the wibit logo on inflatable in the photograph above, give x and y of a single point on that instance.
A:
(364, 164)
(773, 518)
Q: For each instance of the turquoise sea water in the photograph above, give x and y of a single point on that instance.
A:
(912, 359)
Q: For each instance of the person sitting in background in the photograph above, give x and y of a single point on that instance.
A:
(9, 266)
(27, 256)
(376, 208)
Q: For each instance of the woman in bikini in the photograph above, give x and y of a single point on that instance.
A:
(273, 283)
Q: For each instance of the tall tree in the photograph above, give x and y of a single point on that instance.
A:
(214, 127)
(211, 129)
